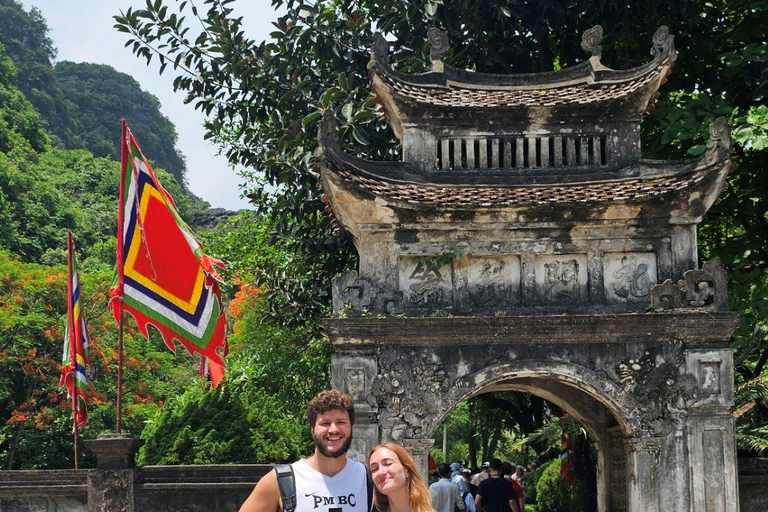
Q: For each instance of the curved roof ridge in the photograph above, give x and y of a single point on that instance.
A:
(590, 71)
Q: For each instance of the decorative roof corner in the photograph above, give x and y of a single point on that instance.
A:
(327, 136)
(328, 148)
(590, 43)
(720, 142)
(379, 52)
(663, 45)
(438, 45)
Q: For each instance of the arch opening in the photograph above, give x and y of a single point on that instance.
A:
(601, 458)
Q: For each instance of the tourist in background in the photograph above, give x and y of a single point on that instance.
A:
(446, 496)
(496, 494)
(482, 475)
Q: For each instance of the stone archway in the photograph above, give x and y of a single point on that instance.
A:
(604, 420)
(652, 389)
(522, 227)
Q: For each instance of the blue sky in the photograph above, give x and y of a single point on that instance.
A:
(82, 30)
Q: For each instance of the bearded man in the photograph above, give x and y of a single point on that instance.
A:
(327, 481)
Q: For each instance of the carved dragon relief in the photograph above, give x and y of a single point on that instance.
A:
(705, 288)
(409, 389)
(660, 390)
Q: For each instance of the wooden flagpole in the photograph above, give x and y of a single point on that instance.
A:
(120, 274)
(72, 341)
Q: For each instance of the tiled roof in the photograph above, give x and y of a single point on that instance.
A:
(578, 93)
(496, 196)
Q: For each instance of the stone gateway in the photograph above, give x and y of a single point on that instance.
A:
(523, 244)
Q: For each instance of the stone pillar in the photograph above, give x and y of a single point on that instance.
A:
(110, 485)
(617, 471)
(711, 432)
(419, 449)
(354, 374)
(419, 148)
(712, 448)
(644, 456)
(683, 244)
(111, 490)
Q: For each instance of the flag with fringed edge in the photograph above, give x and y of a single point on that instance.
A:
(164, 278)
(75, 357)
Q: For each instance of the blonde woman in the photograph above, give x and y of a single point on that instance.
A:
(398, 485)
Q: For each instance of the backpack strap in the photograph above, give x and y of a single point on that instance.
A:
(287, 484)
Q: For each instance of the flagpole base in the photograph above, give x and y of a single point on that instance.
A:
(115, 451)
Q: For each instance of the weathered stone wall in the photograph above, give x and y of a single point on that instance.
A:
(56, 491)
(753, 478)
(222, 488)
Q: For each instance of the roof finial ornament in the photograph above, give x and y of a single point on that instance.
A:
(327, 135)
(663, 44)
(719, 138)
(438, 45)
(590, 41)
(379, 50)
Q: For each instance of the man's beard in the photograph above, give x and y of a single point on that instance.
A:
(333, 455)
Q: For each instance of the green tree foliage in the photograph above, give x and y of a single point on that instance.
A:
(34, 413)
(273, 347)
(490, 425)
(227, 424)
(20, 126)
(263, 101)
(43, 195)
(554, 494)
(25, 36)
(98, 96)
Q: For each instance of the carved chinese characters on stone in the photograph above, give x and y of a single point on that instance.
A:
(426, 282)
(562, 279)
(494, 281)
(629, 277)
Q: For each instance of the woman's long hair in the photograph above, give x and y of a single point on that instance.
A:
(420, 498)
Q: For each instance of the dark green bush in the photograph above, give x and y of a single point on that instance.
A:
(531, 479)
(223, 425)
(553, 494)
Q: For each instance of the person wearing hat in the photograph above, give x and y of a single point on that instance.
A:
(468, 497)
(482, 475)
(458, 479)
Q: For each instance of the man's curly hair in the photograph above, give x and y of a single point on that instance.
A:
(327, 401)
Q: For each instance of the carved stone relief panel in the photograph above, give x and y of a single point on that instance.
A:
(661, 387)
(494, 281)
(711, 368)
(354, 379)
(710, 377)
(426, 282)
(561, 280)
(629, 276)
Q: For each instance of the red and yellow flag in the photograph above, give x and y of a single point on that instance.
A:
(566, 450)
(163, 277)
(75, 358)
